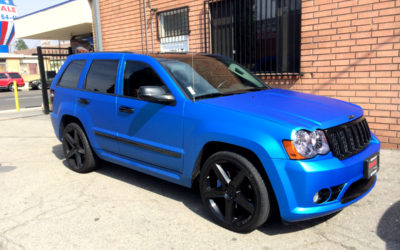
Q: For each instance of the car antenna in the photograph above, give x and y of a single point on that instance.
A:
(194, 99)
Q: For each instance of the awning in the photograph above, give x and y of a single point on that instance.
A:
(58, 22)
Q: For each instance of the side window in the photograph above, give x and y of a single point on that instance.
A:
(72, 74)
(102, 76)
(3, 76)
(139, 74)
(14, 75)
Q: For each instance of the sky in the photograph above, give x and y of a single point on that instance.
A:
(28, 6)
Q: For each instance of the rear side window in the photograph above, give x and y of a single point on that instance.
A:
(14, 75)
(102, 76)
(3, 76)
(72, 74)
(138, 74)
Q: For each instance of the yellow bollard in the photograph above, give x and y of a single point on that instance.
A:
(16, 95)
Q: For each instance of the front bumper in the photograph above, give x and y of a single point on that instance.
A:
(296, 183)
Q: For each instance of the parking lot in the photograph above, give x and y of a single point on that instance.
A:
(44, 205)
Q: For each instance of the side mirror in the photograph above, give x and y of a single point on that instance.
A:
(156, 94)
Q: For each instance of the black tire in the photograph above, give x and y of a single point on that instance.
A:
(230, 183)
(77, 150)
(11, 87)
(39, 86)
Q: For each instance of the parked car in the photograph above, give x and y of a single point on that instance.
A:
(37, 84)
(7, 80)
(205, 120)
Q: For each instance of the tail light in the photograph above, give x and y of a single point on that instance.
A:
(51, 96)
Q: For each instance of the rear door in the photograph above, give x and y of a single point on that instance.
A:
(96, 103)
(3, 80)
(16, 77)
(149, 132)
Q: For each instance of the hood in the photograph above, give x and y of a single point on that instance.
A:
(290, 108)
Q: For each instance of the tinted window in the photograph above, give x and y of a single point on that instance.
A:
(72, 74)
(139, 74)
(102, 76)
(14, 75)
(3, 76)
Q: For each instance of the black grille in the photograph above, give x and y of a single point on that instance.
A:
(348, 139)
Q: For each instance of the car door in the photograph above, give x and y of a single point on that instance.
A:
(3, 80)
(96, 102)
(149, 132)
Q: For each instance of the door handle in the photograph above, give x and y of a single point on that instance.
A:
(83, 101)
(126, 109)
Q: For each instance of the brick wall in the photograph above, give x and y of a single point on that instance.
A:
(124, 25)
(350, 50)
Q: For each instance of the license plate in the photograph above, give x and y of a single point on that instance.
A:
(371, 165)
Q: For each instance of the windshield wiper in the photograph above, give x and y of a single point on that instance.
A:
(230, 93)
(257, 89)
(209, 95)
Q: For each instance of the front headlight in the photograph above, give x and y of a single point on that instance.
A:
(306, 145)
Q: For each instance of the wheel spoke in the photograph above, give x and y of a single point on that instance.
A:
(81, 150)
(244, 203)
(71, 153)
(221, 174)
(214, 193)
(76, 137)
(238, 179)
(78, 159)
(69, 139)
(229, 206)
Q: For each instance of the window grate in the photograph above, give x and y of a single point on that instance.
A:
(263, 35)
(173, 23)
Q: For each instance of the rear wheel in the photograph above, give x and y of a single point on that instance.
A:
(11, 87)
(77, 150)
(233, 192)
(39, 86)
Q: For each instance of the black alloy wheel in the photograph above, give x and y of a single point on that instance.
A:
(234, 192)
(77, 150)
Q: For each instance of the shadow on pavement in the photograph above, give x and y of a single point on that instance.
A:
(389, 227)
(4, 169)
(275, 226)
(58, 151)
(189, 197)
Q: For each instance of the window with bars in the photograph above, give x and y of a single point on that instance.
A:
(173, 22)
(263, 35)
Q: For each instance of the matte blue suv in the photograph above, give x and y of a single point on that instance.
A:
(205, 120)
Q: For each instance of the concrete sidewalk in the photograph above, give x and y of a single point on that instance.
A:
(44, 205)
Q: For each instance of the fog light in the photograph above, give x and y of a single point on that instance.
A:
(322, 195)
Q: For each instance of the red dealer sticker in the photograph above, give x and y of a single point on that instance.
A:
(371, 165)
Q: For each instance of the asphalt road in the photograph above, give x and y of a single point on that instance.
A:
(27, 99)
(44, 205)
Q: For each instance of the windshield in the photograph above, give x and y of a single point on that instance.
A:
(210, 76)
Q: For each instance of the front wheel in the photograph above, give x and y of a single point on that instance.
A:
(234, 192)
(77, 150)
(11, 87)
(39, 86)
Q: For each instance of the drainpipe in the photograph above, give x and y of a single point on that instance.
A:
(141, 24)
(145, 25)
(97, 25)
(151, 18)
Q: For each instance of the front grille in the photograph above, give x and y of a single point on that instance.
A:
(348, 139)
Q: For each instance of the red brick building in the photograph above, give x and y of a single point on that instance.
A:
(345, 49)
